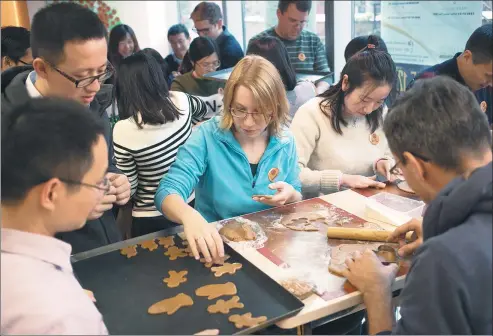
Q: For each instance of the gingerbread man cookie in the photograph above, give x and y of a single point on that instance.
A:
(246, 320)
(171, 305)
(226, 268)
(216, 290)
(149, 245)
(175, 278)
(175, 252)
(224, 307)
(129, 251)
(166, 241)
(209, 264)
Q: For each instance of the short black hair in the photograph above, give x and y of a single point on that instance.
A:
(117, 34)
(55, 25)
(178, 29)
(272, 49)
(480, 44)
(201, 47)
(45, 138)
(207, 11)
(15, 42)
(370, 64)
(440, 120)
(359, 43)
(142, 89)
(301, 5)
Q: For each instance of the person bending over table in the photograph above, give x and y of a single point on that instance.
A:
(228, 159)
(442, 143)
(338, 134)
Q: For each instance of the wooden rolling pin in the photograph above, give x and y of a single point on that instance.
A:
(361, 234)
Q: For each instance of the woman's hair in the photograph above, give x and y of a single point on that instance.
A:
(186, 65)
(369, 65)
(272, 49)
(201, 47)
(262, 78)
(142, 92)
(117, 34)
(15, 42)
(361, 42)
(157, 56)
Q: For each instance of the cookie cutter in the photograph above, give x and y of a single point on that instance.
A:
(388, 254)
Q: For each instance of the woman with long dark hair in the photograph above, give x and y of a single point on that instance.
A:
(339, 134)
(272, 49)
(154, 123)
(122, 43)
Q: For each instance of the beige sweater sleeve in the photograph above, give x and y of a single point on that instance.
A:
(306, 130)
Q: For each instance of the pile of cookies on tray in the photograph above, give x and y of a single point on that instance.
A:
(211, 292)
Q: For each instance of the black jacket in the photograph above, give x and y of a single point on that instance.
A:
(448, 289)
(95, 233)
(230, 51)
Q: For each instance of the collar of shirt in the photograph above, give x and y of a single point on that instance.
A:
(38, 247)
(451, 68)
(31, 89)
(223, 35)
(176, 59)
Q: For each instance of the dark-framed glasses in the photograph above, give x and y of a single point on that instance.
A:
(242, 114)
(25, 63)
(395, 169)
(80, 83)
(104, 185)
(212, 65)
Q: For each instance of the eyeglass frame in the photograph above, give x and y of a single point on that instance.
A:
(253, 114)
(419, 156)
(209, 65)
(77, 81)
(105, 182)
(25, 63)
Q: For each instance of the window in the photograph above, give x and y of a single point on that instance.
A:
(420, 33)
(185, 9)
(260, 15)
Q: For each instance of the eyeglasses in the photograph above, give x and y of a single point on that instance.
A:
(80, 83)
(25, 63)
(213, 65)
(242, 114)
(104, 185)
(204, 30)
(394, 170)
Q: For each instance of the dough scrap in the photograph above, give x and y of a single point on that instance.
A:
(166, 241)
(129, 251)
(237, 232)
(224, 307)
(175, 252)
(246, 320)
(149, 245)
(339, 254)
(175, 278)
(303, 221)
(171, 305)
(226, 268)
(299, 288)
(216, 290)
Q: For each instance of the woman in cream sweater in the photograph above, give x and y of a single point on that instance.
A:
(338, 134)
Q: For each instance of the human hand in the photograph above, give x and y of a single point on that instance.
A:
(367, 273)
(105, 204)
(203, 237)
(122, 187)
(208, 332)
(358, 181)
(406, 249)
(90, 294)
(285, 194)
(383, 167)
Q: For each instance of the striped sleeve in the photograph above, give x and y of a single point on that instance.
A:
(126, 163)
(198, 108)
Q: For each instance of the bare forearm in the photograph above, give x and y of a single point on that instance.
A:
(379, 311)
(175, 208)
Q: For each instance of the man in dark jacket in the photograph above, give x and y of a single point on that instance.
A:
(69, 45)
(473, 67)
(442, 143)
(208, 21)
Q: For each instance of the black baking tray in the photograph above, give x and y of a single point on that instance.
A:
(126, 288)
(309, 75)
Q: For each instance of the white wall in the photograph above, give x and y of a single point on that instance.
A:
(343, 32)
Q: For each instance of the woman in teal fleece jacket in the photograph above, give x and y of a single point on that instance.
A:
(228, 159)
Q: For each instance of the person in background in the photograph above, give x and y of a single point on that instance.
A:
(339, 134)
(122, 43)
(155, 123)
(305, 48)
(54, 162)
(249, 140)
(179, 39)
(204, 59)
(73, 65)
(473, 67)
(16, 47)
(273, 50)
(361, 42)
(158, 58)
(448, 287)
(208, 22)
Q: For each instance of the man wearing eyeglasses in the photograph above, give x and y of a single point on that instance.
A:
(69, 46)
(208, 22)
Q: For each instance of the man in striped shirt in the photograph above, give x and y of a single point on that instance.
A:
(306, 50)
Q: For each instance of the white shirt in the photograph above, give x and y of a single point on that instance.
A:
(31, 89)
